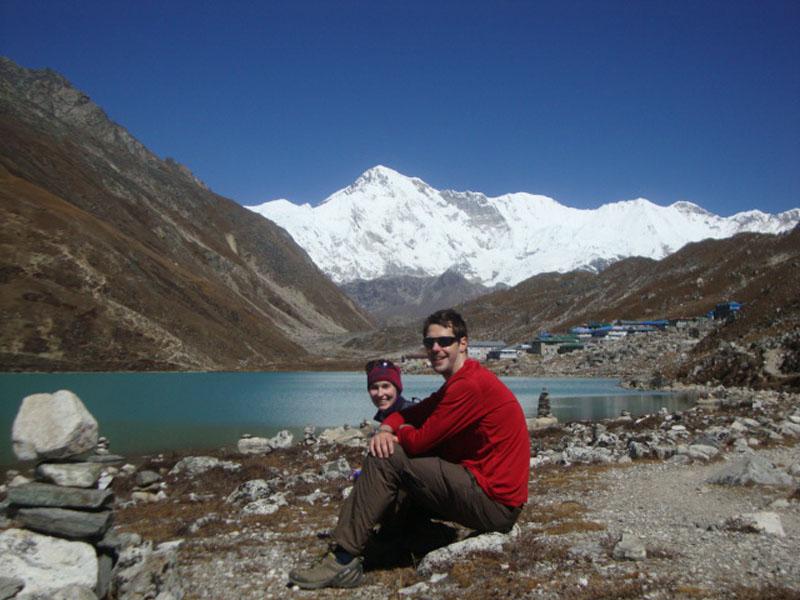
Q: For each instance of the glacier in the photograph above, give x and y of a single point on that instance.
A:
(387, 224)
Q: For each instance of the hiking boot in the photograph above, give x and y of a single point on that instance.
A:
(329, 573)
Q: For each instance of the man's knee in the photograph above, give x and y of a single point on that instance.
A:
(396, 462)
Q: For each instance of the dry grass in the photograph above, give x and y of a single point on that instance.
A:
(768, 592)
(510, 584)
(558, 511)
(162, 521)
(531, 549)
(578, 479)
(578, 526)
(660, 552)
(692, 591)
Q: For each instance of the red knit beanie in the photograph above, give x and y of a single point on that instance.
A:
(385, 371)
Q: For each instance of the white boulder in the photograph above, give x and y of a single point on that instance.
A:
(51, 426)
(46, 564)
(444, 558)
(254, 445)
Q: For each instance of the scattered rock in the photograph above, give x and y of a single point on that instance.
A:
(282, 440)
(254, 445)
(146, 478)
(337, 469)
(418, 588)
(250, 491)
(702, 452)
(195, 465)
(148, 497)
(345, 436)
(757, 522)
(266, 506)
(539, 423)
(629, 548)
(751, 470)
(144, 573)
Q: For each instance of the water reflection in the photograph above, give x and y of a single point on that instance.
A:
(604, 407)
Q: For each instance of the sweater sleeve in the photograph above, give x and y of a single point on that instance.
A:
(413, 414)
(459, 407)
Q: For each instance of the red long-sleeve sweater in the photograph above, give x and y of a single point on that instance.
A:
(476, 421)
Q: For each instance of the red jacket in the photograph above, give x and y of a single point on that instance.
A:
(476, 421)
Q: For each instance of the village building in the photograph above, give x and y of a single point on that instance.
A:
(507, 353)
(725, 310)
(480, 350)
(548, 344)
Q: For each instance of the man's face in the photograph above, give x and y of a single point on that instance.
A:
(447, 359)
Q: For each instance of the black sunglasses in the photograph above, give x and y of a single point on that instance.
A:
(444, 341)
(378, 362)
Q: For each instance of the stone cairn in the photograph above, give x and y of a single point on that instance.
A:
(543, 410)
(544, 417)
(63, 546)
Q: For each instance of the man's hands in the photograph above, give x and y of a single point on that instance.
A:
(382, 443)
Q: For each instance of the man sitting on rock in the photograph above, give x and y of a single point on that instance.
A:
(462, 453)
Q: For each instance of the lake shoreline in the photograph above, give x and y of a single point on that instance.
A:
(147, 412)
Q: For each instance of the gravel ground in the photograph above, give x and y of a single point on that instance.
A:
(675, 513)
(668, 507)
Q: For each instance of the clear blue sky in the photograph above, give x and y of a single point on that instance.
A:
(585, 101)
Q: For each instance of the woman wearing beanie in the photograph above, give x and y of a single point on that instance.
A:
(385, 387)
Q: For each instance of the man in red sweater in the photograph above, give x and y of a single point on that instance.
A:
(462, 453)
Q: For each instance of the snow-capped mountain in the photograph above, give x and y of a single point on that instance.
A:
(386, 223)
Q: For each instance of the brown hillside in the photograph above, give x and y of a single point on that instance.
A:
(758, 270)
(115, 259)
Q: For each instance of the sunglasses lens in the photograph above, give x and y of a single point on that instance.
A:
(443, 341)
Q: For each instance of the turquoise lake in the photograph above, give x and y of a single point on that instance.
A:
(152, 412)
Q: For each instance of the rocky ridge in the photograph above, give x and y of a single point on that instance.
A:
(395, 300)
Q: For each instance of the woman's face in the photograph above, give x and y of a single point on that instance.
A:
(383, 394)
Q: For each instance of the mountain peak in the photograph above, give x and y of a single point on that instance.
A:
(382, 170)
(378, 175)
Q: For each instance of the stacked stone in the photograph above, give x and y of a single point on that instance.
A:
(64, 546)
(544, 416)
(543, 410)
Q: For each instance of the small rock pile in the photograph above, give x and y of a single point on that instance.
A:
(63, 545)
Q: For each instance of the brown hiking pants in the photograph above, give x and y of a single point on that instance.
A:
(442, 487)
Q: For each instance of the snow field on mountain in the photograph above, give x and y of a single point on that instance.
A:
(388, 224)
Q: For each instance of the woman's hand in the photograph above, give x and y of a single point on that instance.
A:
(382, 444)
